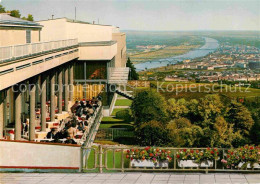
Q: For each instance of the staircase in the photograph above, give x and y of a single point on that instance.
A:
(124, 94)
(118, 75)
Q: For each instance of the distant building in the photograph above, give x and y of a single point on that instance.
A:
(254, 64)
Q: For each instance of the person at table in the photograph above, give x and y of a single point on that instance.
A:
(74, 107)
(88, 105)
(72, 130)
(70, 141)
(90, 111)
(80, 126)
(51, 134)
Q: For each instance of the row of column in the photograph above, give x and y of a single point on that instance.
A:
(17, 97)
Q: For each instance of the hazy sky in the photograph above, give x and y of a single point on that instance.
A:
(150, 14)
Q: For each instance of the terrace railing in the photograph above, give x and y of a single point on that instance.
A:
(108, 158)
(17, 51)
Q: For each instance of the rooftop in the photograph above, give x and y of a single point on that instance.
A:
(7, 20)
(77, 21)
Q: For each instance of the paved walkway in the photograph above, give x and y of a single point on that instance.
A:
(128, 178)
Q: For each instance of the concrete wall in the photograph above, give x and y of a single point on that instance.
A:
(58, 29)
(120, 59)
(97, 52)
(25, 73)
(17, 36)
(38, 155)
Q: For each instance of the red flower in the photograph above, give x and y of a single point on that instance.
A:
(208, 148)
(127, 156)
(131, 158)
(232, 153)
(197, 151)
(157, 149)
(136, 150)
(147, 148)
(212, 152)
(251, 147)
(228, 156)
(184, 150)
(178, 156)
(150, 154)
(217, 153)
(191, 151)
(128, 151)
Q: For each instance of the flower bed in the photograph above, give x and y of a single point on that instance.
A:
(242, 157)
(149, 157)
(197, 158)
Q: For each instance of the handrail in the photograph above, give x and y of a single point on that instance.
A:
(16, 51)
(92, 125)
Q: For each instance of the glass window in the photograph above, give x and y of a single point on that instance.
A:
(28, 36)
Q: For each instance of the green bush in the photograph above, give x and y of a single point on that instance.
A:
(124, 114)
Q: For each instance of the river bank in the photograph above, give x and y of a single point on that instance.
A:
(210, 46)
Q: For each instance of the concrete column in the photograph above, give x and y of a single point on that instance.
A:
(38, 90)
(5, 108)
(52, 113)
(2, 113)
(18, 111)
(71, 77)
(66, 92)
(84, 90)
(32, 109)
(60, 91)
(11, 105)
(43, 103)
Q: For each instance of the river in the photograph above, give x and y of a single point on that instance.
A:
(210, 46)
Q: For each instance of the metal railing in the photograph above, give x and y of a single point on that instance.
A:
(88, 136)
(108, 158)
(113, 133)
(17, 51)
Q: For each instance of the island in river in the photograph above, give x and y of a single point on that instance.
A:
(210, 46)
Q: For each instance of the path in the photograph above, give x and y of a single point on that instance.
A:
(128, 178)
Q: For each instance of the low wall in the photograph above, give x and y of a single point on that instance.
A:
(139, 83)
(29, 155)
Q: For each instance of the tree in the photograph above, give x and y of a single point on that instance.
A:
(177, 109)
(209, 108)
(241, 117)
(30, 17)
(15, 13)
(223, 135)
(183, 134)
(151, 134)
(149, 105)
(2, 9)
(133, 75)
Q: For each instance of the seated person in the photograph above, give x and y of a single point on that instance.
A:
(61, 134)
(85, 111)
(88, 105)
(80, 126)
(51, 134)
(72, 130)
(74, 107)
(94, 100)
(70, 141)
(90, 111)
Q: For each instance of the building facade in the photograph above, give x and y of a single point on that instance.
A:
(37, 58)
